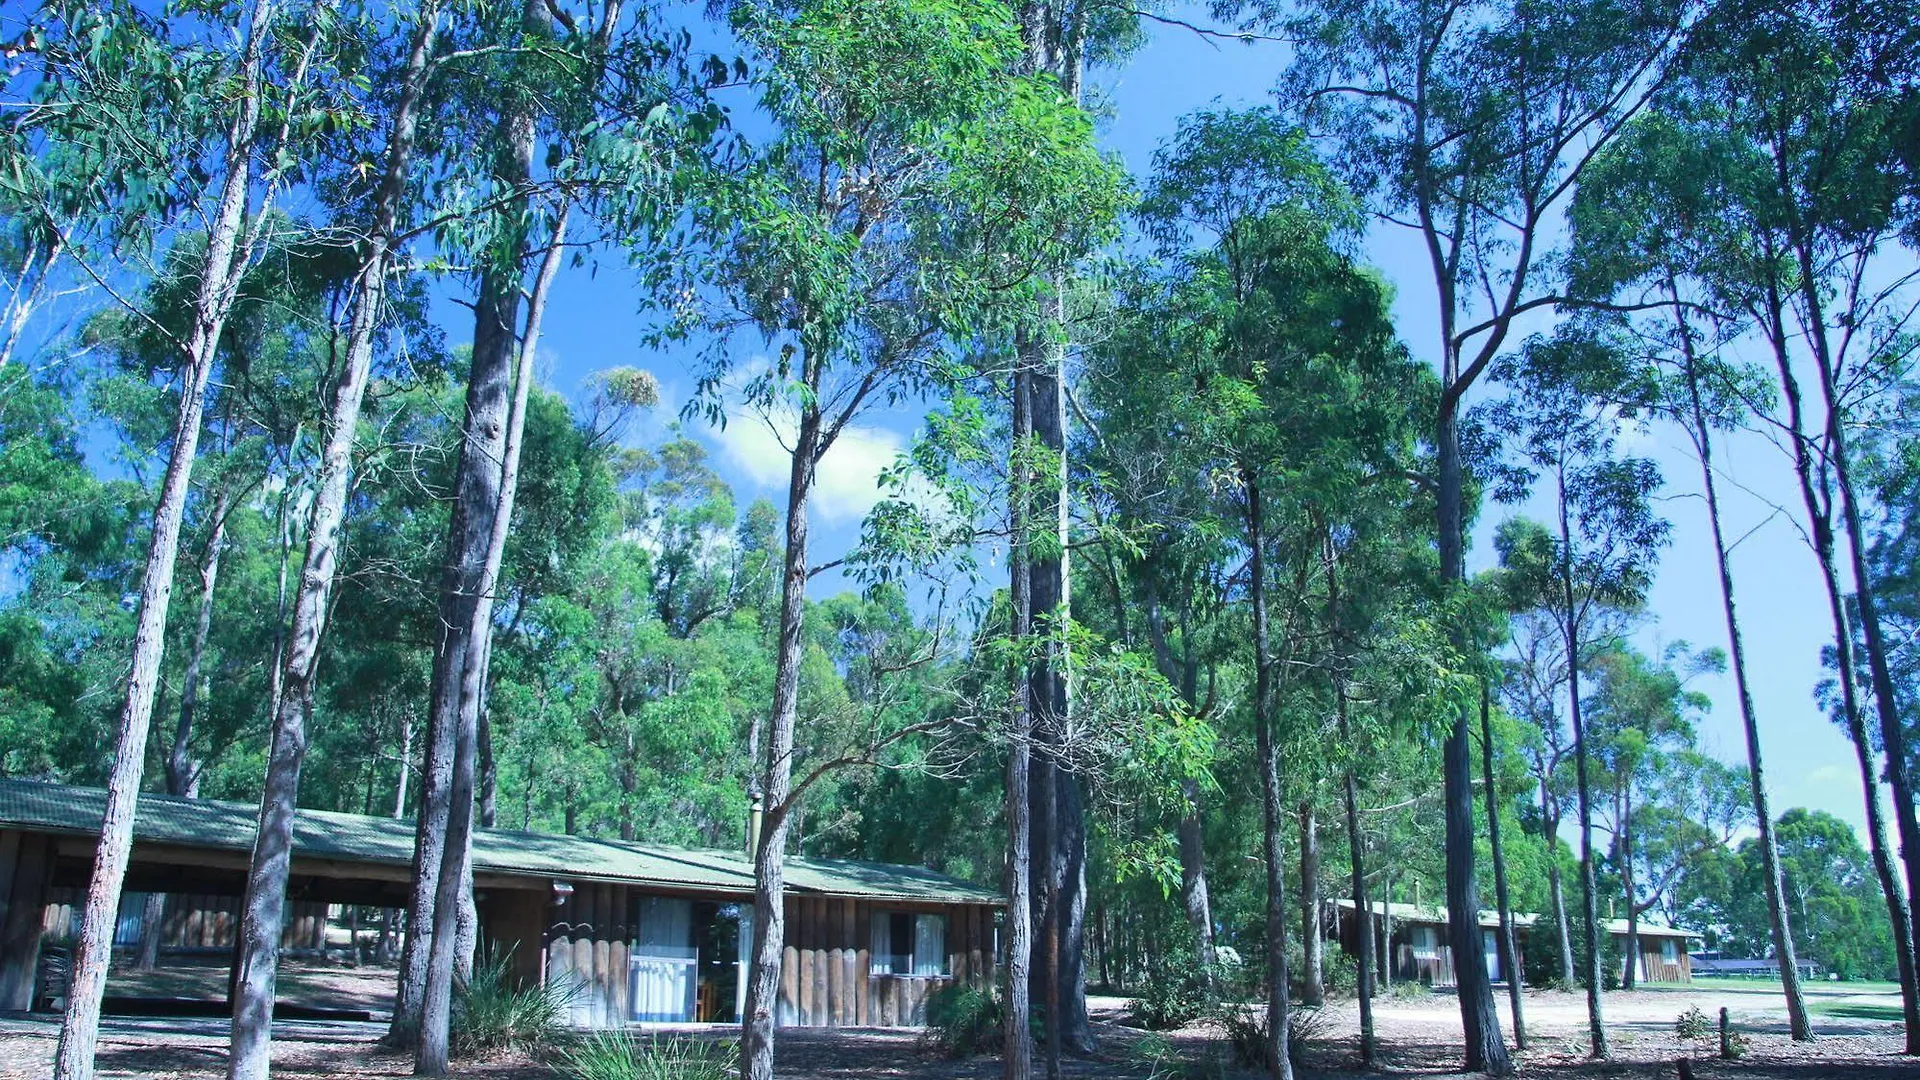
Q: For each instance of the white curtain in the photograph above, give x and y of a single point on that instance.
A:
(882, 962)
(930, 945)
(745, 960)
(664, 962)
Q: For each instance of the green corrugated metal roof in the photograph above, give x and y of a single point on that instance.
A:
(323, 834)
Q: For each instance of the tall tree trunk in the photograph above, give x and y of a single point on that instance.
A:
(1630, 963)
(1017, 1036)
(769, 867)
(264, 913)
(219, 277)
(1362, 910)
(1053, 32)
(1386, 935)
(1486, 1051)
(1820, 524)
(182, 771)
(455, 918)
(1893, 731)
(1313, 980)
(1509, 953)
(1563, 940)
(1271, 804)
(1589, 894)
(459, 653)
(1195, 900)
(1356, 842)
(1798, 1022)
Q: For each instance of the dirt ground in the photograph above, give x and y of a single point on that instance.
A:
(1418, 1037)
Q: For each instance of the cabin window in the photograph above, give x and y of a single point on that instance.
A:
(665, 961)
(1426, 942)
(1669, 951)
(908, 944)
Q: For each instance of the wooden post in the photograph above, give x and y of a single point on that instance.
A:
(24, 899)
(862, 964)
(1726, 1035)
(822, 1003)
(585, 917)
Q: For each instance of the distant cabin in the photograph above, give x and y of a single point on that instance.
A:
(636, 933)
(1413, 940)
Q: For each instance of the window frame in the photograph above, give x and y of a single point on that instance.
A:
(884, 962)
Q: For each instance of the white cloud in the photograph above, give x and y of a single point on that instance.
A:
(1829, 774)
(845, 487)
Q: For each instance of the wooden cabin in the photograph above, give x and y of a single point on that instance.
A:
(1414, 938)
(627, 933)
(1663, 951)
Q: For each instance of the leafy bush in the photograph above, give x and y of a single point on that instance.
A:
(1169, 999)
(1407, 990)
(1540, 955)
(963, 1021)
(619, 1055)
(1174, 991)
(1343, 976)
(1694, 1026)
(493, 1012)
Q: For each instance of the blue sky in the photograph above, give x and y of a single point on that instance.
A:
(591, 324)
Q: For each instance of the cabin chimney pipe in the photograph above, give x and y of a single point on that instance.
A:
(756, 813)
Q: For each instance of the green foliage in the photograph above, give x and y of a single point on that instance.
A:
(622, 1055)
(963, 1021)
(1694, 1025)
(494, 1011)
(1172, 992)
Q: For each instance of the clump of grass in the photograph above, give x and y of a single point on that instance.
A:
(493, 1013)
(1156, 1054)
(618, 1055)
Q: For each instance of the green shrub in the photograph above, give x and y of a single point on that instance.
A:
(619, 1055)
(1174, 990)
(1343, 976)
(1407, 990)
(963, 1021)
(1540, 955)
(1694, 1026)
(1169, 999)
(493, 1012)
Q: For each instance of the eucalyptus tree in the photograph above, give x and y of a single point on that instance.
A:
(1766, 194)
(868, 241)
(1805, 112)
(220, 151)
(1285, 366)
(1600, 551)
(1646, 230)
(1641, 719)
(264, 914)
(1470, 125)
